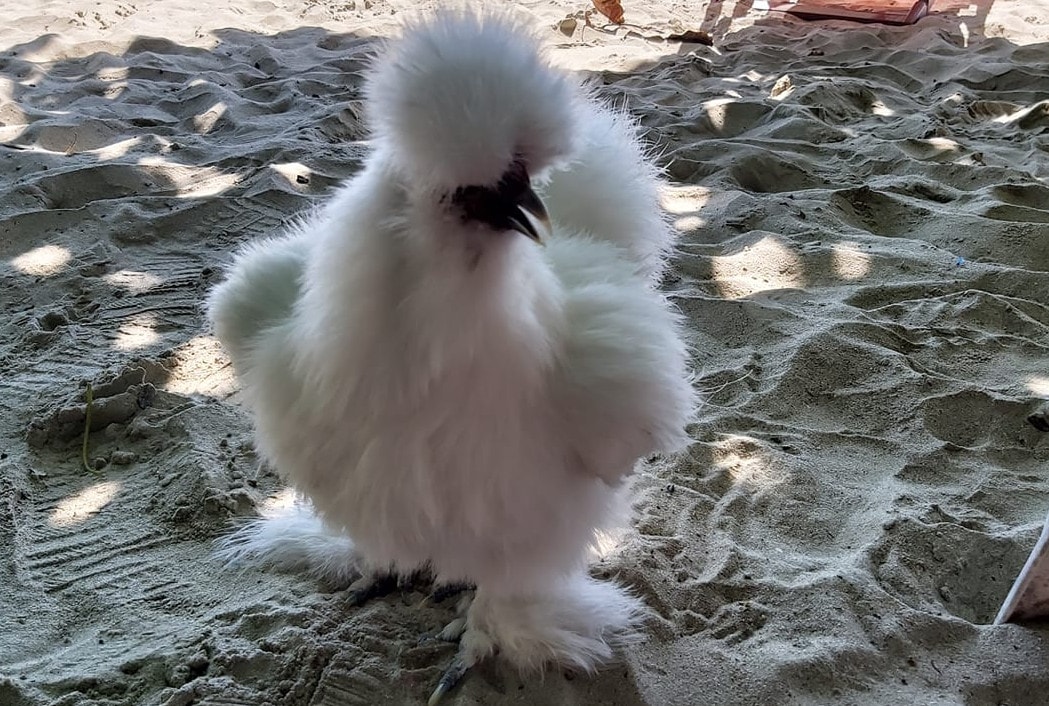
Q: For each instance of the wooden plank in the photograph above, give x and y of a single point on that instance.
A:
(897, 12)
(1029, 597)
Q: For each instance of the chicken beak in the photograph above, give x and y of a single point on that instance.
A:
(529, 217)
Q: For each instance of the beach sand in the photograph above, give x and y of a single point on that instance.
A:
(864, 263)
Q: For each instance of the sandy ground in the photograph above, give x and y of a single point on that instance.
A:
(864, 263)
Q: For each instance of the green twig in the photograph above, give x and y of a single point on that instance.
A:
(89, 395)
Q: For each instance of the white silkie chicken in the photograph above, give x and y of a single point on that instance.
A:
(445, 392)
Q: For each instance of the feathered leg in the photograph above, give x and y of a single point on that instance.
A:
(295, 539)
(577, 623)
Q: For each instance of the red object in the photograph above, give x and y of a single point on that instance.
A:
(612, 9)
(893, 12)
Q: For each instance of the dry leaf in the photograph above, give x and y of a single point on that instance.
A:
(612, 9)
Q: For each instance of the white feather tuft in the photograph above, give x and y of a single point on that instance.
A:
(239, 309)
(462, 95)
(610, 190)
(291, 539)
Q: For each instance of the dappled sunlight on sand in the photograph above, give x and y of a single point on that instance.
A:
(43, 261)
(200, 182)
(684, 203)
(206, 121)
(297, 174)
(275, 504)
(764, 265)
(202, 368)
(82, 506)
(849, 262)
(688, 224)
(138, 331)
(686, 199)
(744, 460)
(1039, 385)
(117, 149)
(132, 281)
(717, 112)
(606, 542)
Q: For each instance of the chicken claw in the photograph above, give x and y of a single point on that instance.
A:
(369, 586)
(451, 676)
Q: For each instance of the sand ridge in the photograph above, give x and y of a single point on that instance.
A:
(865, 268)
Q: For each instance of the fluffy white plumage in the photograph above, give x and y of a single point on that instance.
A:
(445, 392)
